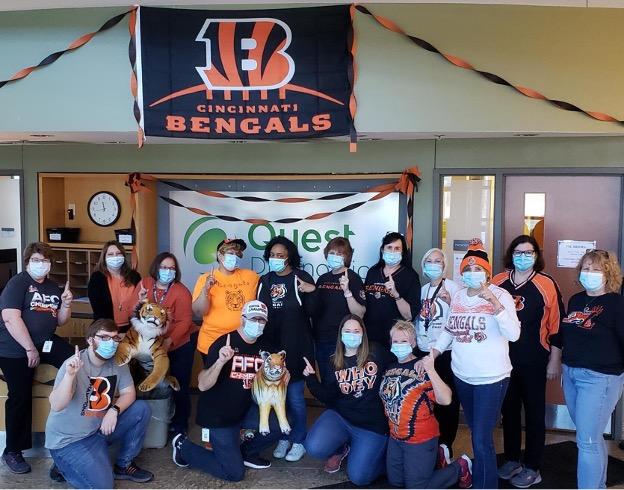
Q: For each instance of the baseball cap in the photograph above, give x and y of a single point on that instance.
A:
(255, 308)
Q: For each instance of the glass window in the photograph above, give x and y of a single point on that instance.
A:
(467, 212)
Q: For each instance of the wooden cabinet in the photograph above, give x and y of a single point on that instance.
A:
(74, 263)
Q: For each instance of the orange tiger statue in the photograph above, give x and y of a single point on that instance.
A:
(144, 342)
(269, 390)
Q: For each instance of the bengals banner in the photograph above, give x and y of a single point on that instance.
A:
(245, 74)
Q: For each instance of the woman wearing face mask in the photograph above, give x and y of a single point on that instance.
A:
(111, 286)
(288, 292)
(354, 423)
(219, 295)
(481, 324)
(163, 287)
(409, 398)
(32, 307)
(539, 308)
(592, 341)
(392, 289)
(340, 292)
(436, 299)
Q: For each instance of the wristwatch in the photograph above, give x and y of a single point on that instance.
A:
(117, 409)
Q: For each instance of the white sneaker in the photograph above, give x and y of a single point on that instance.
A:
(281, 449)
(296, 452)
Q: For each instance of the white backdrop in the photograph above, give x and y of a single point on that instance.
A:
(193, 238)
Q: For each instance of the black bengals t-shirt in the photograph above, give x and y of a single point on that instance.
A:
(331, 305)
(381, 308)
(288, 326)
(592, 333)
(38, 302)
(227, 402)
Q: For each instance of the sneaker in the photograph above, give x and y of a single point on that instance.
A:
(509, 470)
(526, 478)
(256, 462)
(465, 472)
(332, 465)
(15, 462)
(281, 449)
(296, 452)
(133, 473)
(444, 457)
(56, 475)
(176, 443)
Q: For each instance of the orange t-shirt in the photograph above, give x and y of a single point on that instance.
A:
(227, 297)
(124, 300)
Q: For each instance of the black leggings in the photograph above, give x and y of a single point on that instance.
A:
(446, 415)
(19, 379)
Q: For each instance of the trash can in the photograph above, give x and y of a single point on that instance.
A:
(161, 403)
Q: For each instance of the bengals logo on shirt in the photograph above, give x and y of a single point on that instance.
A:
(519, 301)
(99, 396)
(584, 319)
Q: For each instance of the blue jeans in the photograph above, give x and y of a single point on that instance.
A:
(368, 449)
(414, 465)
(323, 353)
(86, 463)
(181, 366)
(482, 406)
(297, 412)
(225, 461)
(591, 398)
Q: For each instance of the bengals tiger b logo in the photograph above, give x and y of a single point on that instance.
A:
(246, 54)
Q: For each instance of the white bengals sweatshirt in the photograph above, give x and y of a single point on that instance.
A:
(479, 340)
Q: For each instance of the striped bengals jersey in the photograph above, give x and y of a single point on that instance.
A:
(539, 307)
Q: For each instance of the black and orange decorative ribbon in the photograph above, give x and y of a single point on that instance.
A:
(51, 58)
(352, 77)
(132, 54)
(457, 61)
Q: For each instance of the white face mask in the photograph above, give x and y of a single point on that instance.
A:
(114, 262)
(38, 270)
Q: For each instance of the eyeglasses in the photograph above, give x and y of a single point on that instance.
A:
(167, 268)
(39, 261)
(261, 321)
(525, 253)
(106, 338)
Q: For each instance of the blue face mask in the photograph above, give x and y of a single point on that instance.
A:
(401, 350)
(591, 281)
(231, 261)
(38, 270)
(523, 263)
(473, 280)
(335, 261)
(433, 271)
(253, 329)
(166, 276)
(114, 262)
(392, 258)
(351, 340)
(107, 348)
(277, 265)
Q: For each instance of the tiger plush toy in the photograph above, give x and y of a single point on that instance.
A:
(144, 342)
(269, 391)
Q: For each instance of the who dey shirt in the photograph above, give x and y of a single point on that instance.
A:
(227, 402)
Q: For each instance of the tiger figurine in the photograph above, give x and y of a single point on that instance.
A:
(269, 390)
(144, 342)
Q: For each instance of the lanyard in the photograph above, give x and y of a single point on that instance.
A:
(162, 298)
(429, 313)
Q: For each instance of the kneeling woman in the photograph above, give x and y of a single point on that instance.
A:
(409, 397)
(354, 423)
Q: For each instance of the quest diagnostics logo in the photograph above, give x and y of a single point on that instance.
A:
(204, 247)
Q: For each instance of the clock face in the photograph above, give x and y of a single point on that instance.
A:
(104, 208)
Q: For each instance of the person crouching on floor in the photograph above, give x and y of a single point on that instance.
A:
(409, 395)
(86, 416)
(225, 404)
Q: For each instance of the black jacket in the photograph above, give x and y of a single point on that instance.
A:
(100, 296)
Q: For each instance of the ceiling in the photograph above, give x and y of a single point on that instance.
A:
(50, 4)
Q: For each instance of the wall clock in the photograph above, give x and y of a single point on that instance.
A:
(104, 208)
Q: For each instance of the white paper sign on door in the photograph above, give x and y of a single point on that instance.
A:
(569, 252)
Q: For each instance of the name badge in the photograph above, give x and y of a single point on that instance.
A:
(47, 346)
(205, 435)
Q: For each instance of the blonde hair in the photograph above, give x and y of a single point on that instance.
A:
(404, 326)
(363, 350)
(608, 262)
(428, 253)
(226, 247)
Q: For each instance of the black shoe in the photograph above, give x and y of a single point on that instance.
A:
(256, 462)
(177, 442)
(133, 473)
(15, 462)
(56, 475)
